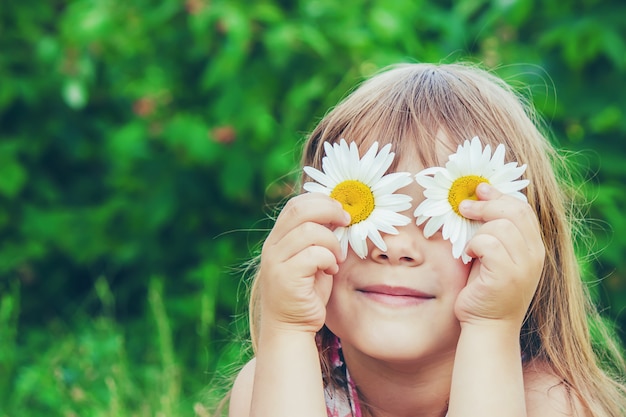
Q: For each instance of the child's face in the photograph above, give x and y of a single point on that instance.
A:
(399, 305)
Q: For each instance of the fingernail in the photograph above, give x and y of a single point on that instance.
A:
(347, 216)
(484, 188)
(465, 205)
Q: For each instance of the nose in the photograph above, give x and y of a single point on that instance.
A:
(404, 249)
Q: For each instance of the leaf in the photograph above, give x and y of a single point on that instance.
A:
(13, 175)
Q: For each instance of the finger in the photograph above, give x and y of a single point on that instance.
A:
(309, 207)
(495, 261)
(521, 239)
(500, 206)
(498, 239)
(303, 236)
(313, 259)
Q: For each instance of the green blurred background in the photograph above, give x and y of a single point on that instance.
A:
(143, 145)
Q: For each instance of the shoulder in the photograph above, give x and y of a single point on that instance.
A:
(548, 395)
(241, 394)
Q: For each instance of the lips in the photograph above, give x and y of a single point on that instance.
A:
(395, 295)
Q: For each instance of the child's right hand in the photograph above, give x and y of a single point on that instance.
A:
(298, 261)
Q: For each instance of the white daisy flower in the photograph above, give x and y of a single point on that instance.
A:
(364, 191)
(445, 188)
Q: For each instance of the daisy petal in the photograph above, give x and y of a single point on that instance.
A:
(507, 173)
(392, 182)
(512, 187)
(314, 187)
(433, 225)
(319, 176)
(396, 202)
(342, 236)
(377, 240)
(497, 160)
(357, 241)
(431, 207)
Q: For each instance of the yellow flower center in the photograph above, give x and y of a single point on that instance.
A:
(356, 198)
(464, 188)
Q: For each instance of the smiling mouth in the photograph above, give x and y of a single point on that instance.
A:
(395, 295)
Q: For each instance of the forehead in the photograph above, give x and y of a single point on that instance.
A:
(413, 158)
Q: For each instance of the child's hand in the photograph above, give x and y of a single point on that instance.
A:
(298, 261)
(509, 254)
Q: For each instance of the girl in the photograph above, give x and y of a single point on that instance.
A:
(416, 321)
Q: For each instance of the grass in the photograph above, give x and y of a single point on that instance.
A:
(96, 366)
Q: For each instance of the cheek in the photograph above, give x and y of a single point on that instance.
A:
(456, 272)
(341, 297)
(341, 281)
(352, 265)
(458, 276)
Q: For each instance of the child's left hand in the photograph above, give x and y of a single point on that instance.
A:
(509, 255)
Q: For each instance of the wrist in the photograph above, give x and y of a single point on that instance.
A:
(492, 330)
(511, 323)
(283, 342)
(272, 329)
(298, 321)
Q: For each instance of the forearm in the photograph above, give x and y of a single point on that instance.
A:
(487, 379)
(288, 378)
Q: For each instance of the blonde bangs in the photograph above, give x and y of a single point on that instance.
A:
(410, 105)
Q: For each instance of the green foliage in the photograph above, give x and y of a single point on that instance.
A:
(143, 144)
(97, 367)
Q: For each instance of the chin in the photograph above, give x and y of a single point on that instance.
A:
(397, 344)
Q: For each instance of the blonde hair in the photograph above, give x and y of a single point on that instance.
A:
(408, 105)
